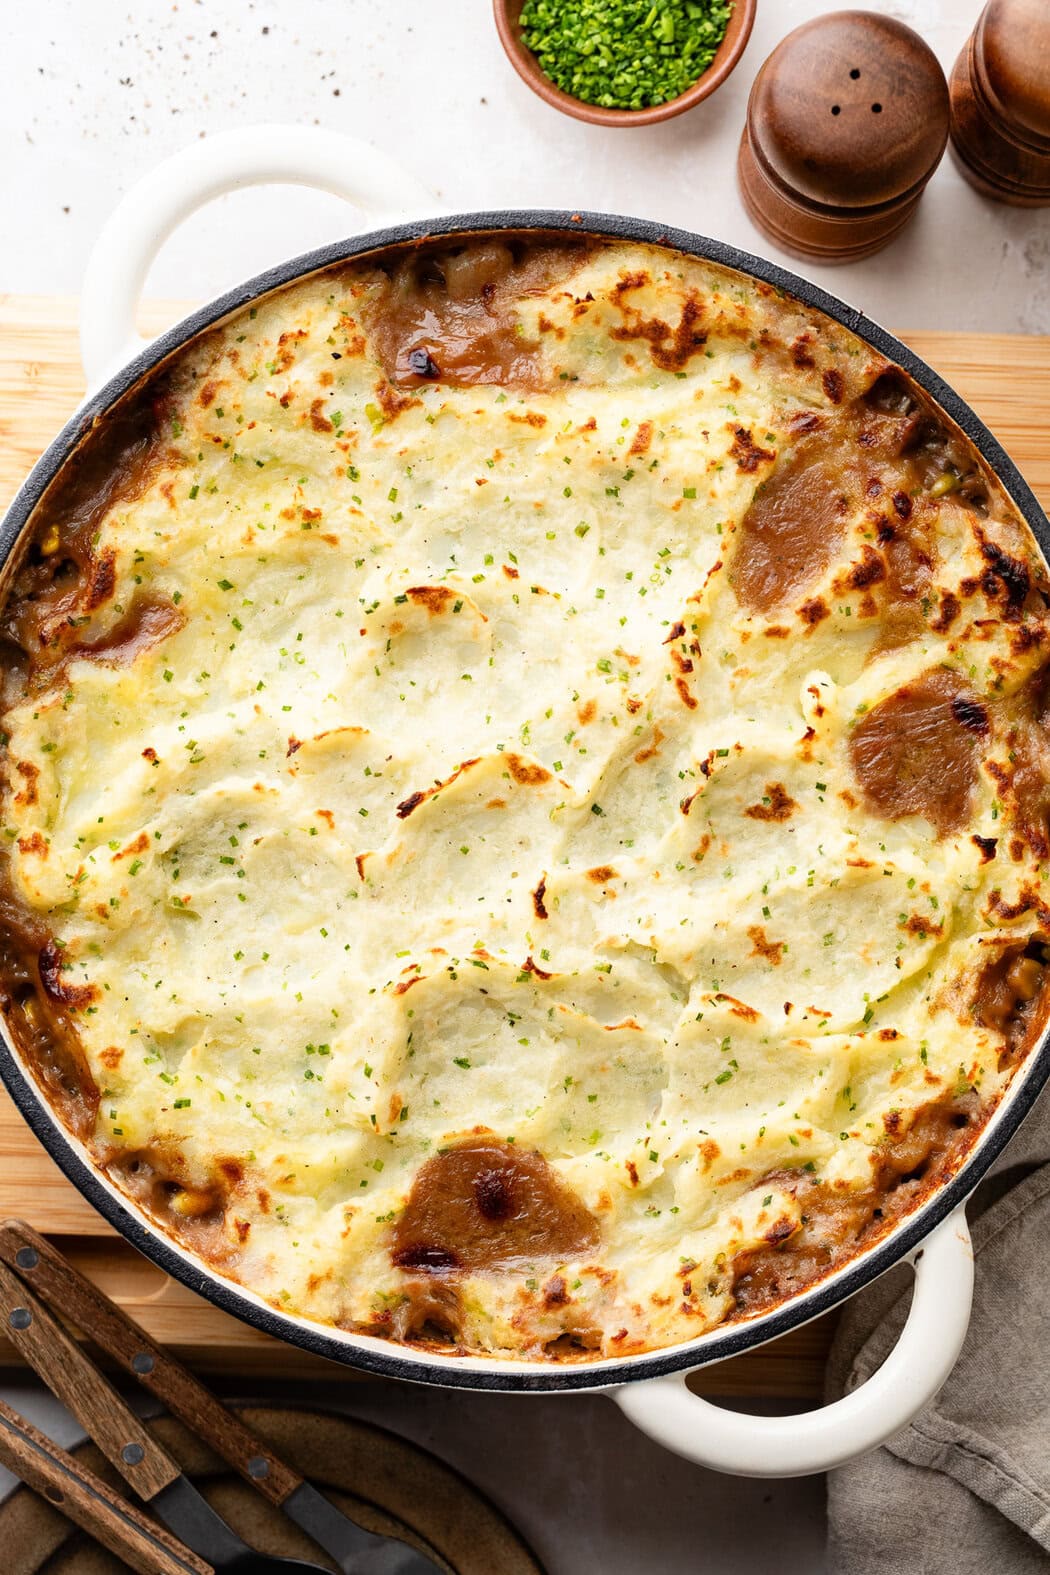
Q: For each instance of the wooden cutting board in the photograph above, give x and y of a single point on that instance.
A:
(1007, 380)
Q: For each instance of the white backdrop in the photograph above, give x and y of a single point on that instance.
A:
(98, 90)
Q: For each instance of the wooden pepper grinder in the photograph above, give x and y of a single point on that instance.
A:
(847, 121)
(1001, 103)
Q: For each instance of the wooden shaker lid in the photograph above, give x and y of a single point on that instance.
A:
(847, 121)
(1001, 103)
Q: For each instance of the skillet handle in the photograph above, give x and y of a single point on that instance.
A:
(228, 161)
(813, 1441)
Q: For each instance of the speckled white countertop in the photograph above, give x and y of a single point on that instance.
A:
(97, 93)
(94, 95)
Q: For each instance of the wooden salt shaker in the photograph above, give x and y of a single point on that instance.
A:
(1000, 92)
(847, 121)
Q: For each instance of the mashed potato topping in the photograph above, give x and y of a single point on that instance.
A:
(531, 796)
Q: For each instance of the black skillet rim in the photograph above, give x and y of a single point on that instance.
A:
(399, 1362)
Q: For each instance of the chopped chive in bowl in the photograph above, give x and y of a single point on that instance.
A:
(624, 54)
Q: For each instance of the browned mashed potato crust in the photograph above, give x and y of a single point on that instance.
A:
(849, 575)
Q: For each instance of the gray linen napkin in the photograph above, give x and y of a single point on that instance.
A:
(966, 1486)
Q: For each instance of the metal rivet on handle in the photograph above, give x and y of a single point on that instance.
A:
(20, 1318)
(142, 1362)
(132, 1454)
(27, 1257)
(258, 1467)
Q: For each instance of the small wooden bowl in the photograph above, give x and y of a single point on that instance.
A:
(527, 66)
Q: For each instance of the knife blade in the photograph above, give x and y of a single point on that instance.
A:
(356, 1551)
(189, 1515)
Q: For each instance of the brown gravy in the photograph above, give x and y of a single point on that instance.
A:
(61, 579)
(891, 455)
(1028, 778)
(487, 1204)
(155, 1178)
(792, 529)
(450, 317)
(59, 582)
(1010, 995)
(839, 1223)
(917, 752)
(147, 621)
(39, 1020)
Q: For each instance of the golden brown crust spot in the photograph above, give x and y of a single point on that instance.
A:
(435, 598)
(72, 996)
(801, 351)
(650, 751)
(870, 569)
(527, 772)
(1029, 900)
(140, 845)
(737, 1008)
(762, 946)
(27, 795)
(318, 420)
(671, 349)
(814, 611)
(747, 453)
(641, 440)
(685, 694)
(921, 925)
(403, 986)
(391, 403)
(530, 418)
(413, 801)
(103, 581)
(834, 385)
(947, 612)
(777, 804)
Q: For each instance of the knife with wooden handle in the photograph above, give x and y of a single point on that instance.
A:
(130, 1448)
(90, 1503)
(66, 1290)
